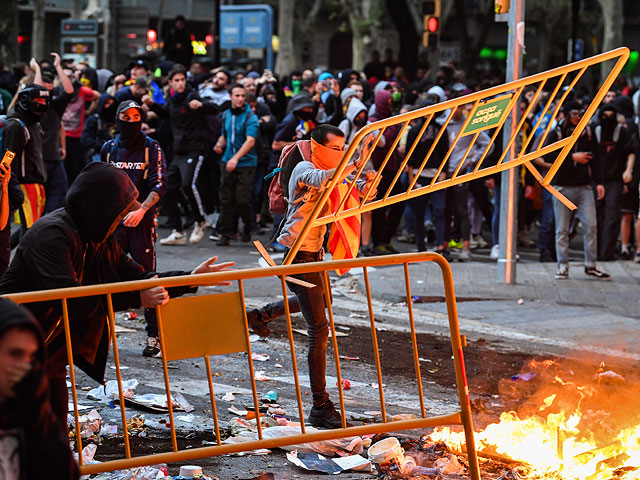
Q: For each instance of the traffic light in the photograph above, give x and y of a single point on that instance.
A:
(431, 18)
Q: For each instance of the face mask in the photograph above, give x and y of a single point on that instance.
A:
(360, 122)
(296, 85)
(396, 97)
(325, 158)
(305, 115)
(129, 132)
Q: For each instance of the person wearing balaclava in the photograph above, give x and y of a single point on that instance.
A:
(75, 246)
(22, 134)
(320, 156)
(33, 444)
(100, 126)
(144, 162)
(617, 157)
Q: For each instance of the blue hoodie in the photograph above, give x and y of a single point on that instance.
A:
(236, 129)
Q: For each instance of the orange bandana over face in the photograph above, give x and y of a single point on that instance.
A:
(325, 158)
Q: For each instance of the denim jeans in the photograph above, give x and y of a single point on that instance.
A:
(546, 235)
(438, 201)
(583, 197)
(309, 301)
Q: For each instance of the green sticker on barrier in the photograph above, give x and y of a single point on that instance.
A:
(488, 114)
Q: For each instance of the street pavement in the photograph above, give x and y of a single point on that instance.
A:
(576, 315)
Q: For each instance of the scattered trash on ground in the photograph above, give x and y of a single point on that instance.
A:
(260, 357)
(270, 397)
(140, 473)
(304, 332)
(157, 402)
(109, 391)
(228, 397)
(345, 357)
(318, 463)
(346, 384)
(261, 377)
(524, 377)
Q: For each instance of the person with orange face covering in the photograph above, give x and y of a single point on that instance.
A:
(307, 181)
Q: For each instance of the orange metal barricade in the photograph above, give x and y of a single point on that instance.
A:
(487, 108)
(188, 329)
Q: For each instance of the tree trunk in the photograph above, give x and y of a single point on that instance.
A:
(76, 9)
(613, 22)
(285, 62)
(9, 53)
(365, 18)
(37, 30)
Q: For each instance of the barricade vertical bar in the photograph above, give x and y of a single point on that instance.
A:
(72, 376)
(461, 376)
(214, 409)
(374, 340)
(294, 363)
(334, 341)
(116, 359)
(165, 370)
(414, 339)
(433, 147)
(250, 357)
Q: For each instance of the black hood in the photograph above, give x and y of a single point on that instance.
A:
(109, 114)
(98, 198)
(624, 105)
(299, 102)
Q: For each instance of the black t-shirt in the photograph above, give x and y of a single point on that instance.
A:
(50, 123)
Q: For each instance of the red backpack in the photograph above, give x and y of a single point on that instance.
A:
(277, 201)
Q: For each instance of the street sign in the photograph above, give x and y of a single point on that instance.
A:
(78, 27)
(247, 27)
(487, 115)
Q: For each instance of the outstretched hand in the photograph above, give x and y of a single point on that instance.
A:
(210, 266)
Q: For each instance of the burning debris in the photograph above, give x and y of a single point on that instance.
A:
(567, 422)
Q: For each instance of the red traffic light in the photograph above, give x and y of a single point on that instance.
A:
(208, 38)
(152, 35)
(432, 24)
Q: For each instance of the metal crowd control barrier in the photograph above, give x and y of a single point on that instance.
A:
(188, 329)
(488, 109)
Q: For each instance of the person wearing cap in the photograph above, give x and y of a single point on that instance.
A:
(33, 443)
(328, 98)
(22, 134)
(575, 179)
(143, 160)
(140, 68)
(140, 87)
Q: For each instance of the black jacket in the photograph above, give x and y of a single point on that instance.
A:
(28, 164)
(27, 419)
(572, 173)
(74, 246)
(188, 125)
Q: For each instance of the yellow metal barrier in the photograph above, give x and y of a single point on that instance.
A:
(188, 328)
(485, 106)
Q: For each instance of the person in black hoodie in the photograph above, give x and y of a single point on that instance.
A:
(75, 246)
(617, 157)
(100, 126)
(33, 444)
(187, 114)
(575, 179)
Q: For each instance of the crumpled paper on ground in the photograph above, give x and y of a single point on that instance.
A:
(109, 391)
(351, 445)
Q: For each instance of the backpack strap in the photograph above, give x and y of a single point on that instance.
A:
(148, 143)
(110, 150)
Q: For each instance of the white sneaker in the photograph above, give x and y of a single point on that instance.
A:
(480, 241)
(495, 252)
(198, 232)
(175, 238)
(472, 243)
(464, 255)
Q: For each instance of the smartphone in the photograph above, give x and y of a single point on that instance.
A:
(8, 158)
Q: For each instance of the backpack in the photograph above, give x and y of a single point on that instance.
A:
(279, 177)
(27, 136)
(148, 142)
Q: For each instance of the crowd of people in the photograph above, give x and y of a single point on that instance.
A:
(98, 155)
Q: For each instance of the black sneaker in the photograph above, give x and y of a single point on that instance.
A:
(256, 323)
(562, 273)
(326, 416)
(595, 273)
(153, 347)
(224, 241)
(246, 236)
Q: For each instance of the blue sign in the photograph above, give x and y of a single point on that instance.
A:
(247, 26)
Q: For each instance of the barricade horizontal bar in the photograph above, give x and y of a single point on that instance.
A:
(205, 279)
(194, 453)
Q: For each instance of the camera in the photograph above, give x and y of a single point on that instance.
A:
(327, 83)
